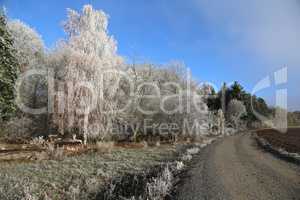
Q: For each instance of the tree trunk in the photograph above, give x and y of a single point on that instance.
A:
(85, 127)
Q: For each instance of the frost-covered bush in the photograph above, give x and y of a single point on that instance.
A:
(187, 157)
(236, 109)
(160, 186)
(193, 150)
(179, 165)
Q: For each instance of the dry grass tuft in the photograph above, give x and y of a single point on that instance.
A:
(104, 147)
(145, 144)
(38, 141)
(51, 153)
(157, 144)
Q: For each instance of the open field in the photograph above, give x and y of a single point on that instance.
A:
(77, 177)
(289, 141)
(102, 171)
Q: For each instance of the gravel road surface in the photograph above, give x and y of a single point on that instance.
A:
(235, 168)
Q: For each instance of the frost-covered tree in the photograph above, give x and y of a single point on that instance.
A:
(8, 71)
(162, 97)
(150, 87)
(30, 53)
(88, 55)
(236, 109)
(88, 35)
(28, 44)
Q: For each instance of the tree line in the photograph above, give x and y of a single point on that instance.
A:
(91, 91)
(90, 84)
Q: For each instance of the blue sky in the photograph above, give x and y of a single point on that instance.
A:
(219, 40)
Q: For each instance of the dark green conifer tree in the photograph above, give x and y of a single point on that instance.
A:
(8, 71)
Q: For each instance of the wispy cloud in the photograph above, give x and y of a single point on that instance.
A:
(268, 28)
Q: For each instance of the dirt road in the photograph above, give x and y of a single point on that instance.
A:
(236, 168)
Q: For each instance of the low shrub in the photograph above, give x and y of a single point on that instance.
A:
(160, 186)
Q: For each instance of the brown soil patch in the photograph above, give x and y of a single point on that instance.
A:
(289, 141)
